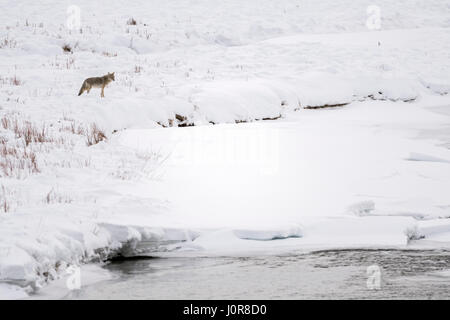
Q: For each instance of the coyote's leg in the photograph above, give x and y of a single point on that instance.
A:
(82, 89)
(88, 89)
(103, 92)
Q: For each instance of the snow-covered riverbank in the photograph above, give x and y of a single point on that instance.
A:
(83, 178)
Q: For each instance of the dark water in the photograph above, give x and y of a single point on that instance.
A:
(341, 274)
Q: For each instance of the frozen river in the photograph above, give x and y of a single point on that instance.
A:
(342, 274)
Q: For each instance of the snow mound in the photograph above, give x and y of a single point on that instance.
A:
(415, 156)
(33, 260)
(434, 230)
(237, 101)
(270, 234)
(362, 208)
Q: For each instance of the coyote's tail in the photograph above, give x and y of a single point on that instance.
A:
(81, 89)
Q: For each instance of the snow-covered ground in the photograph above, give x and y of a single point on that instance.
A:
(84, 177)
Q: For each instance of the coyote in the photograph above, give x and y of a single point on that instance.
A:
(97, 82)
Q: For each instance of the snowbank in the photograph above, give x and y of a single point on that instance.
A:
(199, 70)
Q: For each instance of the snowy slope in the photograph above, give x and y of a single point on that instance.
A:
(374, 172)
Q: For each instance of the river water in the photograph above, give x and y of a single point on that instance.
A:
(331, 274)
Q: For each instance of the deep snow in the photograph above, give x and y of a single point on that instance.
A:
(373, 172)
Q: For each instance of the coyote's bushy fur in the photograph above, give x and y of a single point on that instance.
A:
(97, 82)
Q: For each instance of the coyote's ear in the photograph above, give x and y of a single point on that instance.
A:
(113, 73)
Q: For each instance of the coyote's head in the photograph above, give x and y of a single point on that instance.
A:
(111, 76)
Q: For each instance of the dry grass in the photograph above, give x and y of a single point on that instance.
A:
(6, 123)
(73, 127)
(12, 81)
(7, 43)
(131, 22)
(15, 161)
(24, 141)
(26, 130)
(16, 157)
(30, 133)
(108, 54)
(94, 135)
(18, 150)
(28, 148)
(54, 196)
(67, 48)
(67, 63)
(5, 206)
